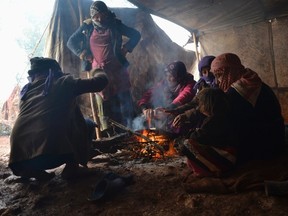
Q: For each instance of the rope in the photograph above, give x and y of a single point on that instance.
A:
(37, 44)
(20, 77)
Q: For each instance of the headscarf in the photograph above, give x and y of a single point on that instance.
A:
(205, 62)
(98, 7)
(210, 79)
(101, 7)
(42, 66)
(245, 81)
(178, 70)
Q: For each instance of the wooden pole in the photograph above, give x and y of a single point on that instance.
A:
(196, 48)
(95, 113)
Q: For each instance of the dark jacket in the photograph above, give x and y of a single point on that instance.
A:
(261, 128)
(79, 40)
(53, 124)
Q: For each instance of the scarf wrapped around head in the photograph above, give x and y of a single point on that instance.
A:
(42, 67)
(178, 70)
(233, 74)
(205, 62)
(98, 7)
(101, 7)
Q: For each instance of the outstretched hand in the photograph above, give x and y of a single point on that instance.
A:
(179, 120)
(157, 113)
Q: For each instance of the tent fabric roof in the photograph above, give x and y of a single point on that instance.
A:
(206, 16)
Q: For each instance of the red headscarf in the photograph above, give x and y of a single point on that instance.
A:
(233, 74)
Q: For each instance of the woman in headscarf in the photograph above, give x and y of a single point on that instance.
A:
(99, 43)
(175, 89)
(256, 110)
(186, 116)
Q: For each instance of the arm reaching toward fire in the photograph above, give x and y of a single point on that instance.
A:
(157, 113)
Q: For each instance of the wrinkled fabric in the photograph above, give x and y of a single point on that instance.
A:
(256, 111)
(248, 86)
(52, 125)
(229, 66)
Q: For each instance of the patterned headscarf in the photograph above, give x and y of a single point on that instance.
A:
(98, 7)
(233, 74)
(178, 70)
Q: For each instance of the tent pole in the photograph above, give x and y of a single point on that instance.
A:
(196, 48)
(94, 113)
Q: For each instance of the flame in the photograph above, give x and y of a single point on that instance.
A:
(161, 139)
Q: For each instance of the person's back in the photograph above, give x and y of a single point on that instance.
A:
(261, 128)
(50, 129)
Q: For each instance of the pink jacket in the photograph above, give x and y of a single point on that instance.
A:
(161, 96)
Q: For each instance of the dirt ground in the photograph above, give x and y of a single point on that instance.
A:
(157, 190)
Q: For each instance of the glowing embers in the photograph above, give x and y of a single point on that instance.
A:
(153, 144)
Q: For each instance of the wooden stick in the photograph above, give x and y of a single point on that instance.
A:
(94, 113)
(196, 48)
(138, 134)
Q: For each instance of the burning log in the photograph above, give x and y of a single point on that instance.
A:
(156, 145)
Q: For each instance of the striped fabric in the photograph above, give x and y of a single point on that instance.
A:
(207, 160)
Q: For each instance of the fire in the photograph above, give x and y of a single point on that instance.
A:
(157, 142)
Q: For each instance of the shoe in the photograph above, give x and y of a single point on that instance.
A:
(110, 185)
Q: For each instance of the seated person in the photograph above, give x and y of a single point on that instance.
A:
(186, 118)
(50, 129)
(211, 149)
(256, 111)
(207, 78)
(174, 90)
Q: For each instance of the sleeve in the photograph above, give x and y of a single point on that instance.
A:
(185, 95)
(144, 102)
(188, 106)
(215, 131)
(80, 86)
(133, 35)
(76, 41)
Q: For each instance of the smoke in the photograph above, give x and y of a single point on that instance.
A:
(138, 123)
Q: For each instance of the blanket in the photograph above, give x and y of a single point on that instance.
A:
(251, 176)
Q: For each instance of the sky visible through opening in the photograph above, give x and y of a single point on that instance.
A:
(24, 16)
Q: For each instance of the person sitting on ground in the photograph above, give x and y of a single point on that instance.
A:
(172, 91)
(186, 117)
(211, 150)
(207, 78)
(256, 111)
(50, 129)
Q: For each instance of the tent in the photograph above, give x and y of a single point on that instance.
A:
(256, 30)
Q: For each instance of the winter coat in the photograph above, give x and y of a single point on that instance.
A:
(79, 41)
(53, 124)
